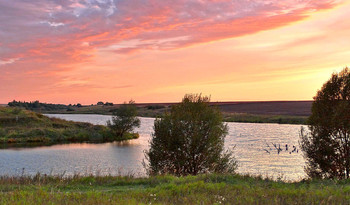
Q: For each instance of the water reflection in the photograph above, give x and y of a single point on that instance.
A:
(250, 142)
(19, 146)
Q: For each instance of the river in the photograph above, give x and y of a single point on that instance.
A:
(253, 146)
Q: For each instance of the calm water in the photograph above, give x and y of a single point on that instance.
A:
(253, 144)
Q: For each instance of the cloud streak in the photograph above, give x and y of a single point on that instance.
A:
(41, 39)
(40, 28)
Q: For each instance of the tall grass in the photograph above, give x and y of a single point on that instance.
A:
(202, 189)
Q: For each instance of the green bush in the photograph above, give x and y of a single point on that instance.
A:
(2, 132)
(124, 120)
(190, 140)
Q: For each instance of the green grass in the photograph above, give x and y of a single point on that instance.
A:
(203, 189)
(250, 118)
(19, 126)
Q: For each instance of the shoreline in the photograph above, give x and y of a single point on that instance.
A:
(24, 127)
(279, 112)
(236, 117)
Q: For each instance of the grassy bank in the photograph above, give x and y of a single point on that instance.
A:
(143, 111)
(228, 117)
(251, 118)
(204, 189)
(23, 126)
(282, 112)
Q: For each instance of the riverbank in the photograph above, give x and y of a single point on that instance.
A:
(281, 112)
(228, 116)
(19, 126)
(276, 119)
(203, 189)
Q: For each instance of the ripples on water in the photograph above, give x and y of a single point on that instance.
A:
(253, 150)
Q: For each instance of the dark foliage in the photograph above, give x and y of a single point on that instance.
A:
(37, 106)
(190, 140)
(155, 107)
(69, 109)
(108, 104)
(327, 146)
(124, 119)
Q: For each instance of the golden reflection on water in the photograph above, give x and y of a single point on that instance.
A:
(68, 146)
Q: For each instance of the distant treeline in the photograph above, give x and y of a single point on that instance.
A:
(36, 105)
(106, 103)
(47, 107)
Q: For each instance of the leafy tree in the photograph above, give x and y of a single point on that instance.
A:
(108, 104)
(327, 146)
(190, 140)
(124, 119)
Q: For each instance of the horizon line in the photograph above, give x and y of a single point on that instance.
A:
(146, 103)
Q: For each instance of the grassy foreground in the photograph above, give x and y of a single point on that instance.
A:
(203, 189)
(24, 126)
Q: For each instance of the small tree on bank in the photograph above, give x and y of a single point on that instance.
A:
(327, 146)
(124, 119)
(190, 140)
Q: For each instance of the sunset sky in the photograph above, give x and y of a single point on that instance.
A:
(70, 51)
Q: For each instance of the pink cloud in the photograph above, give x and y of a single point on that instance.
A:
(44, 37)
(68, 23)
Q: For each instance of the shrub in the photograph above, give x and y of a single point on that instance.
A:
(190, 140)
(2, 132)
(155, 107)
(124, 119)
